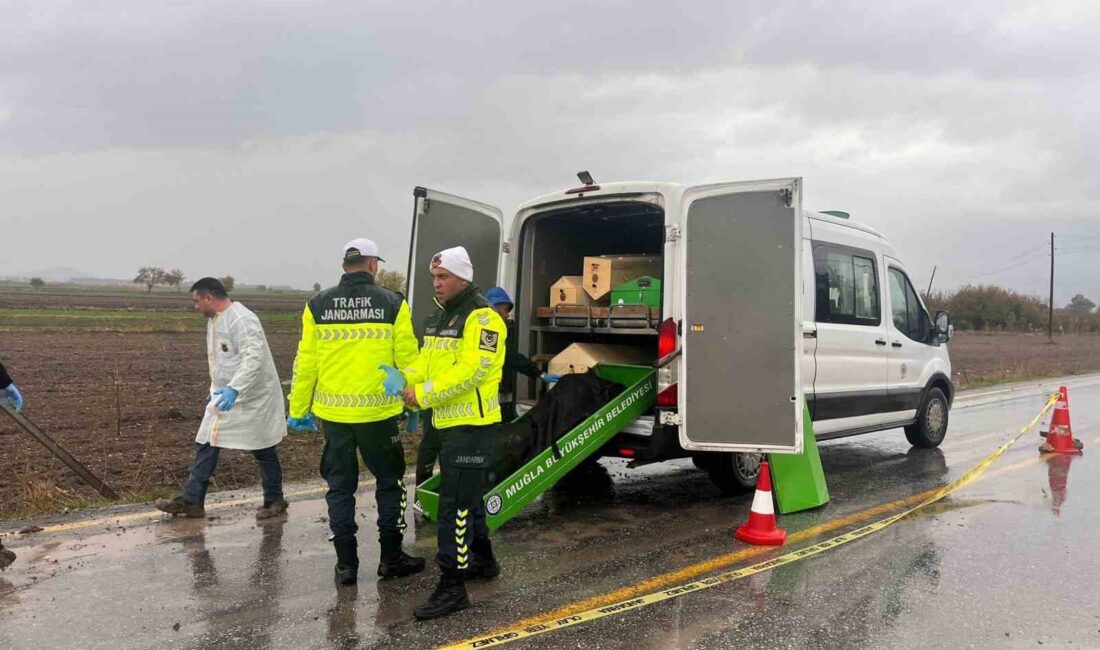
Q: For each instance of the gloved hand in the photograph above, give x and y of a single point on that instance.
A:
(550, 378)
(14, 397)
(302, 424)
(394, 383)
(412, 422)
(227, 397)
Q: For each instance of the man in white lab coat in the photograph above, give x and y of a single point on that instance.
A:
(245, 407)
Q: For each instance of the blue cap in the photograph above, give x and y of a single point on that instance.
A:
(497, 296)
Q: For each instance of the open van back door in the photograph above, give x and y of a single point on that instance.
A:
(442, 221)
(740, 263)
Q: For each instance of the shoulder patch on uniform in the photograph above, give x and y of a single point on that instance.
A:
(489, 341)
(483, 318)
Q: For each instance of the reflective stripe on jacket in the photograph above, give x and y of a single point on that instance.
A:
(457, 374)
(347, 332)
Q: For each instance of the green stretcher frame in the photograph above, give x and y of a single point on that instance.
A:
(505, 500)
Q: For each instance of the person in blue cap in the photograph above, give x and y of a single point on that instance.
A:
(514, 362)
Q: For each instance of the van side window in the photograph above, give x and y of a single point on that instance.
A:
(909, 316)
(847, 285)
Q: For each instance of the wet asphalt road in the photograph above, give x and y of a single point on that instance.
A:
(1007, 561)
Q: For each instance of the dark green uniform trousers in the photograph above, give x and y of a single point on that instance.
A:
(380, 446)
(428, 452)
(464, 463)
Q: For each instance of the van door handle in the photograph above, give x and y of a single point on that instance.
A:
(809, 334)
(896, 344)
(880, 341)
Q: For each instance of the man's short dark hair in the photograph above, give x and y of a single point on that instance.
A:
(210, 287)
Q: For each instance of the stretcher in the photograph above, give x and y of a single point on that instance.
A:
(507, 498)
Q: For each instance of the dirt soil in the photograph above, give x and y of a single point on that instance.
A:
(983, 359)
(127, 406)
(156, 301)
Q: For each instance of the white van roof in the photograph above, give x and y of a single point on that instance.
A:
(840, 221)
(606, 189)
(672, 192)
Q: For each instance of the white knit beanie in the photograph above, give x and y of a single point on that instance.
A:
(457, 261)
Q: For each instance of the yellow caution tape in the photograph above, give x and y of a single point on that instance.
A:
(501, 637)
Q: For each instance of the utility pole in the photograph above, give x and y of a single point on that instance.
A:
(1050, 311)
(929, 292)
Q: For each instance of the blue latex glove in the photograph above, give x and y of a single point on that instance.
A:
(394, 383)
(412, 423)
(14, 397)
(227, 397)
(550, 378)
(302, 424)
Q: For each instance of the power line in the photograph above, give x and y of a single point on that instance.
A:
(1091, 247)
(1027, 252)
(1008, 268)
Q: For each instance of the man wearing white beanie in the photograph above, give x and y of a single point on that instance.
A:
(457, 376)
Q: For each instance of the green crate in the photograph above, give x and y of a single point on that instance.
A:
(645, 290)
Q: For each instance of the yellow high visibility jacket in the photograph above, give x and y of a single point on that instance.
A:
(347, 332)
(457, 374)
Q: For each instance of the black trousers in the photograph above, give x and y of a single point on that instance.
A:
(428, 452)
(463, 463)
(380, 446)
(507, 412)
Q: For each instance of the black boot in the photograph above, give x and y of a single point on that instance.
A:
(484, 565)
(395, 562)
(347, 561)
(448, 598)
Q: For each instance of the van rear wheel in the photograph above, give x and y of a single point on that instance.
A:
(733, 473)
(931, 425)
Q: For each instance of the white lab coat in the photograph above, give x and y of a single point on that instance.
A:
(239, 357)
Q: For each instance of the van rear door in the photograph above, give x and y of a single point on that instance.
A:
(741, 308)
(442, 221)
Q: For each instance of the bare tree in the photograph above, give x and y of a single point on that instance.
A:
(228, 282)
(150, 276)
(38, 283)
(174, 278)
(392, 280)
(316, 287)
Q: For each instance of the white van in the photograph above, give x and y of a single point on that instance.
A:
(766, 308)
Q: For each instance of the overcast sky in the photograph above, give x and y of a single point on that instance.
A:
(255, 138)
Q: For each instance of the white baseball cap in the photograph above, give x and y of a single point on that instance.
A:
(357, 248)
(457, 261)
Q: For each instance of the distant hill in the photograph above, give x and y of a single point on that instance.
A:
(54, 274)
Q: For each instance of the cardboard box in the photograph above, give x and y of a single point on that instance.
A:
(645, 290)
(568, 290)
(603, 273)
(579, 357)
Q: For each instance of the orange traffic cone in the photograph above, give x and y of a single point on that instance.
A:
(760, 528)
(1060, 436)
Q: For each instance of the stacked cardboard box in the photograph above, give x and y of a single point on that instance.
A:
(601, 275)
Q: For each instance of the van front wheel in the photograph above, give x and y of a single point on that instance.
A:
(931, 425)
(734, 473)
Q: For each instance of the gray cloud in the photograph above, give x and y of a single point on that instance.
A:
(252, 138)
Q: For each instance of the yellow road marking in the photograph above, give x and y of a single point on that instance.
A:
(645, 593)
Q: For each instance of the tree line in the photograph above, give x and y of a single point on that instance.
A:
(152, 276)
(990, 308)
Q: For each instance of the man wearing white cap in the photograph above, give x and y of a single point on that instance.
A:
(348, 332)
(457, 376)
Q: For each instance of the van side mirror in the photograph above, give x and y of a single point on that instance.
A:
(941, 333)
